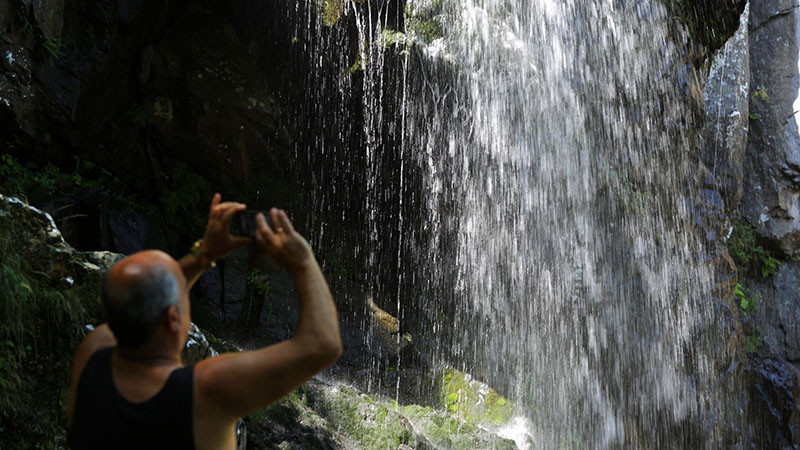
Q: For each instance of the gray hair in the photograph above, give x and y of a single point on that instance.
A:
(134, 313)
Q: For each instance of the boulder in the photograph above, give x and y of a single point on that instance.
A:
(771, 200)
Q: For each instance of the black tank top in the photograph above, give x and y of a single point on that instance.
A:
(103, 419)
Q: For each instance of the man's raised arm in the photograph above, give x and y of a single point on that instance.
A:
(217, 241)
(236, 384)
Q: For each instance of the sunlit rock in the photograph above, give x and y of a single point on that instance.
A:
(726, 101)
(771, 201)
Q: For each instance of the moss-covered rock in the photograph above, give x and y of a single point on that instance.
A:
(449, 431)
(48, 292)
(473, 400)
(361, 420)
(289, 424)
(321, 416)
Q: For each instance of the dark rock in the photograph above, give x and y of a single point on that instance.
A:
(711, 22)
(777, 313)
(726, 98)
(771, 195)
(208, 104)
(128, 229)
(775, 389)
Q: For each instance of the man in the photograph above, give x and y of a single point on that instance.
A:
(129, 388)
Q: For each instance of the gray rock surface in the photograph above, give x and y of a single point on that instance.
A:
(197, 347)
(772, 165)
(777, 313)
(726, 98)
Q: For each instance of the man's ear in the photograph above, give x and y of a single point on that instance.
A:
(173, 318)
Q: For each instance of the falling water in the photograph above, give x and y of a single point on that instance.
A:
(555, 140)
(528, 206)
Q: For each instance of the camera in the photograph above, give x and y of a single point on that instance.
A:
(246, 222)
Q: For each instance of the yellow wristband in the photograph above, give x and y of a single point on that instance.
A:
(204, 260)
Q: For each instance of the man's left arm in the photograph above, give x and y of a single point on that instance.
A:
(217, 240)
(101, 337)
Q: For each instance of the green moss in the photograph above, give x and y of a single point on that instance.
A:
(331, 11)
(371, 424)
(448, 431)
(424, 24)
(759, 95)
(753, 342)
(473, 400)
(391, 38)
(750, 257)
(40, 326)
(572, 441)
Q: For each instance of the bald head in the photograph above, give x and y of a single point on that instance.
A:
(136, 293)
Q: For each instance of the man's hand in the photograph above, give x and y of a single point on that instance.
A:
(217, 240)
(284, 244)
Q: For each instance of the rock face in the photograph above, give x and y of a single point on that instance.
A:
(154, 105)
(774, 338)
(66, 62)
(771, 201)
(777, 314)
(726, 102)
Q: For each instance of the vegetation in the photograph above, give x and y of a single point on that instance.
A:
(750, 257)
(746, 303)
(753, 342)
(424, 24)
(54, 47)
(182, 193)
(260, 287)
(51, 44)
(759, 95)
(258, 290)
(41, 323)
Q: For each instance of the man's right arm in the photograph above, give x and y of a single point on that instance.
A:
(236, 384)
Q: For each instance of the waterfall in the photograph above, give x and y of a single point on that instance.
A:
(562, 259)
(523, 180)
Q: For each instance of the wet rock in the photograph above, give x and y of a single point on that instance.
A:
(473, 400)
(197, 347)
(208, 104)
(777, 313)
(771, 200)
(49, 15)
(35, 239)
(81, 57)
(364, 421)
(128, 229)
(726, 99)
(775, 393)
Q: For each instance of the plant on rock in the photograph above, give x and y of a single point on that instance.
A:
(749, 255)
(747, 304)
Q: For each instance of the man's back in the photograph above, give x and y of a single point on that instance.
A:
(103, 416)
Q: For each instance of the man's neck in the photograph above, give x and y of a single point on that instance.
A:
(148, 356)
